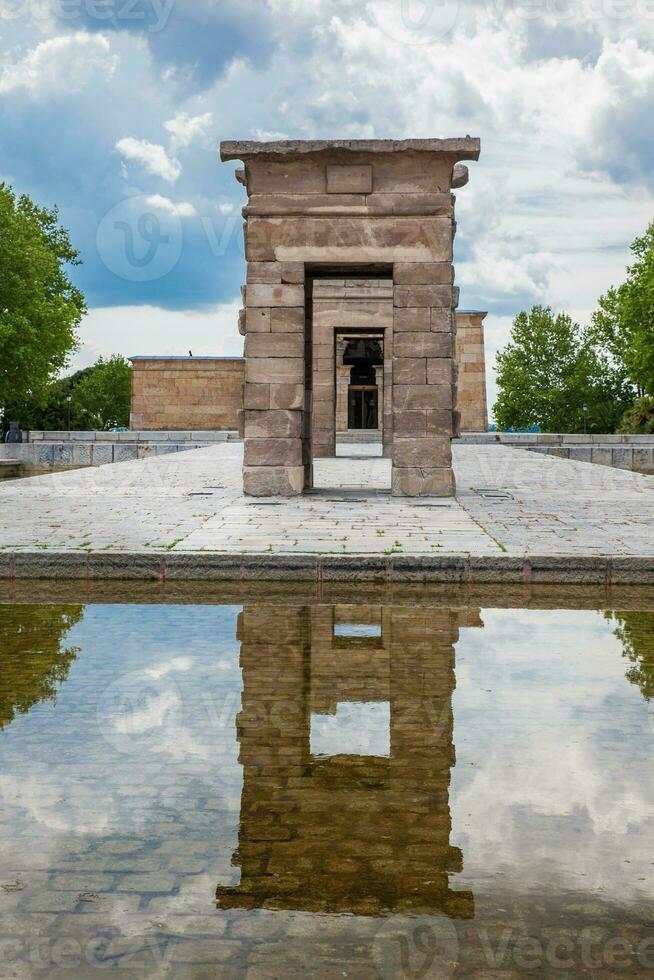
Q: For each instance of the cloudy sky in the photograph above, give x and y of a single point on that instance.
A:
(113, 110)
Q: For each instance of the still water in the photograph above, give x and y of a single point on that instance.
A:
(296, 787)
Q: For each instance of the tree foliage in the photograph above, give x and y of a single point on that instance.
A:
(639, 417)
(624, 320)
(553, 375)
(40, 308)
(635, 630)
(97, 397)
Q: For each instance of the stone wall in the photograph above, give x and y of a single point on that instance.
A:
(186, 392)
(349, 208)
(471, 367)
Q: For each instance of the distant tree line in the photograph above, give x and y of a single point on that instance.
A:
(563, 377)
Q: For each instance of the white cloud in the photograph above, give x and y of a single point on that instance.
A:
(60, 64)
(131, 330)
(152, 156)
(183, 209)
(184, 128)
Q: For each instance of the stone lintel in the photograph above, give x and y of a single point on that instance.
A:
(457, 148)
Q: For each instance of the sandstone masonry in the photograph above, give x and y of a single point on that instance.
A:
(347, 211)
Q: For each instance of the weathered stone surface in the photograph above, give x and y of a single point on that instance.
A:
(277, 424)
(460, 175)
(293, 272)
(346, 179)
(440, 371)
(422, 273)
(472, 371)
(452, 149)
(422, 396)
(285, 396)
(441, 320)
(273, 481)
(272, 452)
(186, 393)
(269, 295)
(411, 319)
(422, 481)
(256, 396)
(264, 272)
(280, 370)
(274, 345)
(288, 319)
(241, 322)
(257, 321)
(416, 204)
(410, 370)
(422, 345)
(351, 239)
(373, 314)
(427, 451)
(416, 296)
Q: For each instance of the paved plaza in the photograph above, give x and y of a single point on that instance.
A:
(510, 502)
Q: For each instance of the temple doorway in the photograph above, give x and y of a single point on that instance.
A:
(362, 407)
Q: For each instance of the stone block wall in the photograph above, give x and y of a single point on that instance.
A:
(343, 209)
(471, 367)
(186, 392)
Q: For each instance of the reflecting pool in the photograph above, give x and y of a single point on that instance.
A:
(415, 785)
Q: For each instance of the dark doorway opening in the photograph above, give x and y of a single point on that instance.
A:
(362, 407)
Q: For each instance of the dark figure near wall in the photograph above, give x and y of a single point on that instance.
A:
(14, 434)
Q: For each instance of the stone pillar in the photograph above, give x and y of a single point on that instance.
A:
(471, 365)
(274, 390)
(379, 381)
(424, 390)
(354, 208)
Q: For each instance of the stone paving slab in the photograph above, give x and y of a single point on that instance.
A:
(185, 515)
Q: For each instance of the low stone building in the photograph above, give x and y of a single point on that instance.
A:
(196, 393)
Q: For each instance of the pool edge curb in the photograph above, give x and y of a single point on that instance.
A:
(163, 566)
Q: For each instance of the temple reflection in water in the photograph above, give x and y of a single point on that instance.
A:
(329, 823)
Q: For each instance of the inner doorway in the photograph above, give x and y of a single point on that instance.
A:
(363, 407)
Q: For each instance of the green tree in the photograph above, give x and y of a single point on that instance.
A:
(40, 308)
(551, 374)
(96, 397)
(639, 418)
(34, 661)
(635, 630)
(624, 321)
(102, 397)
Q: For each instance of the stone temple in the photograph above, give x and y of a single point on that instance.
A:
(349, 316)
